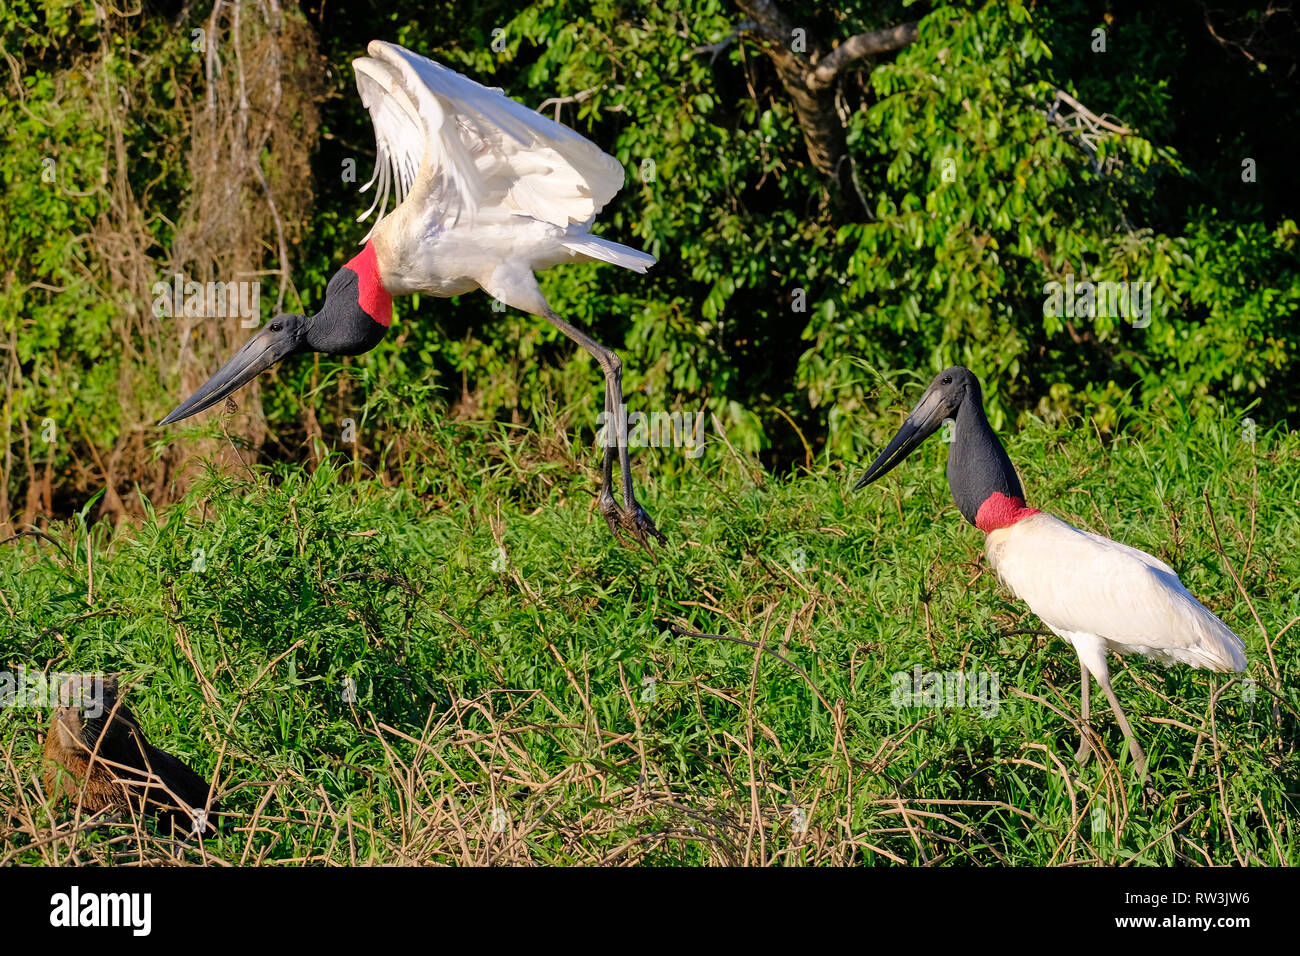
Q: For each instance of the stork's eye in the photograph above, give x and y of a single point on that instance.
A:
(275, 326)
(947, 380)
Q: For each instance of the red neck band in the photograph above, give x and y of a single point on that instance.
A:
(1001, 511)
(372, 297)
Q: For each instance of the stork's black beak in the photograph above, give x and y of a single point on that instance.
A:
(282, 337)
(924, 421)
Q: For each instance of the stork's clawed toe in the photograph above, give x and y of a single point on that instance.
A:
(1084, 752)
(635, 522)
(640, 525)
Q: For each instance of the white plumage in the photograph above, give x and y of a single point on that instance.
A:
(1100, 595)
(1081, 583)
(487, 191)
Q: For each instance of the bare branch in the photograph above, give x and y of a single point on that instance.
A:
(1084, 129)
(1092, 117)
(885, 40)
(558, 101)
(713, 49)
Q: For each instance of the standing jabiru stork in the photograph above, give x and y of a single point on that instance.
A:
(488, 192)
(1096, 594)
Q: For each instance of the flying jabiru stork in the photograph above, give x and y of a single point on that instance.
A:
(1094, 593)
(487, 193)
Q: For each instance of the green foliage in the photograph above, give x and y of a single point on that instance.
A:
(455, 570)
(69, 207)
(953, 268)
(771, 298)
(507, 657)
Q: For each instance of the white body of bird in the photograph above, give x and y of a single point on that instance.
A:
(1101, 595)
(488, 191)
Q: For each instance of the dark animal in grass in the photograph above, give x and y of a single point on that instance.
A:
(107, 763)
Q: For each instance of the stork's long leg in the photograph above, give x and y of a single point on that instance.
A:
(1092, 659)
(1139, 758)
(613, 420)
(632, 517)
(608, 506)
(1085, 697)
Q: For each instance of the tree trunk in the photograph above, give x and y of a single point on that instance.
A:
(809, 74)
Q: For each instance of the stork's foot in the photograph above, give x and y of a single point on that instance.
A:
(640, 526)
(1084, 752)
(636, 523)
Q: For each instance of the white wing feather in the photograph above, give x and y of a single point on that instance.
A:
(398, 132)
(1083, 583)
(475, 147)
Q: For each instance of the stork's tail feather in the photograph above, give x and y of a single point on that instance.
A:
(1217, 647)
(1230, 655)
(602, 250)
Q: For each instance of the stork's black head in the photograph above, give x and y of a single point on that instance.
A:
(944, 398)
(978, 466)
(354, 318)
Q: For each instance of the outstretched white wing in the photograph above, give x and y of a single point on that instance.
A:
(1080, 582)
(464, 148)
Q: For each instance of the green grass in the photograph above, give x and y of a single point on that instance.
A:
(544, 711)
